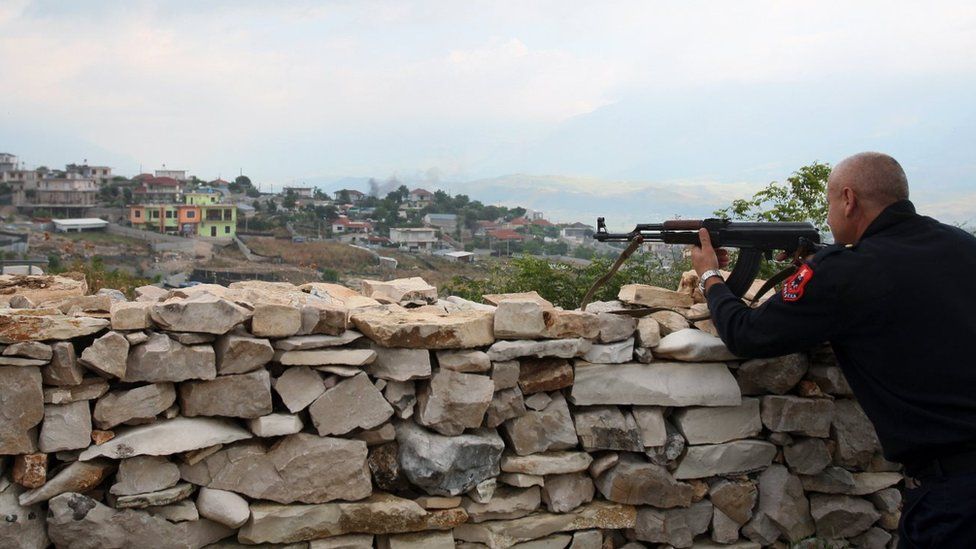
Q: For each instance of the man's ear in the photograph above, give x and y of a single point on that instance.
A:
(851, 203)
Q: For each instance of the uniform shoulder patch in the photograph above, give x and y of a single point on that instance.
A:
(794, 285)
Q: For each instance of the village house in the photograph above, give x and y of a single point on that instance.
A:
(444, 222)
(420, 197)
(101, 174)
(179, 175)
(414, 239)
(300, 192)
(156, 190)
(354, 196)
(576, 231)
(201, 214)
(348, 231)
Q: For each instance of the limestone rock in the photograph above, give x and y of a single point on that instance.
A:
(23, 526)
(648, 332)
(20, 361)
(669, 321)
(563, 493)
(808, 456)
(677, 527)
(353, 403)
(650, 421)
(401, 328)
(506, 533)
(400, 364)
(521, 480)
(90, 388)
(869, 483)
(29, 470)
(298, 468)
(560, 348)
(636, 482)
(615, 327)
(321, 319)
(350, 541)
(402, 395)
(166, 437)
(204, 313)
(735, 499)
(163, 359)
(167, 496)
(540, 431)
(453, 402)
(544, 375)
(505, 405)
(562, 324)
(276, 320)
(298, 387)
(693, 345)
(379, 514)
(66, 427)
(130, 315)
(781, 499)
(873, 538)
(403, 291)
(652, 296)
(658, 384)
(448, 466)
(505, 374)
(804, 416)
(611, 353)
(832, 480)
(507, 503)
(719, 424)
(30, 327)
(519, 319)
(721, 459)
(63, 369)
(830, 379)
(180, 511)
(326, 357)
(239, 354)
(143, 474)
(419, 540)
(107, 355)
(240, 395)
(275, 425)
(772, 375)
(223, 507)
(318, 341)
(495, 299)
(139, 405)
(607, 428)
(549, 463)
(23, 408)
(464, 361)
(842, 516)
(856, 438)
(77, 476)
(136, 338)
(30, 349)
(79, 522)
(538, 401)
(587, 539)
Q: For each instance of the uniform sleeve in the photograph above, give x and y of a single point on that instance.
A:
(805, 313)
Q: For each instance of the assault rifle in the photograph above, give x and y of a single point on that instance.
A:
(755, 240)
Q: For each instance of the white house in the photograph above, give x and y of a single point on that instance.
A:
(414, 239)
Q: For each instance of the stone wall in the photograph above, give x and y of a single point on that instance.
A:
(316, 416)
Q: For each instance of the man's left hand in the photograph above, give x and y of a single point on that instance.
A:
(705, 257)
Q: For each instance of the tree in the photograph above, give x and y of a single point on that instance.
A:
(319, 194)
(802, 198)
(343, 197)
(243, 181)
(289, 201)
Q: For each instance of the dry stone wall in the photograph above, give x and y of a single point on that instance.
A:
(314, 416)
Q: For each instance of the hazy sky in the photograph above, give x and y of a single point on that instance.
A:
(716, 98)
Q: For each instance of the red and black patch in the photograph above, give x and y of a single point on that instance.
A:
(794, 285)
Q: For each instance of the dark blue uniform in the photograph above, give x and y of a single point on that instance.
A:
(899, 311)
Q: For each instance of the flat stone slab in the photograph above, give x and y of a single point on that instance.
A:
(402, 328)
(326, 357)
(560, 348)
(549, 463)
(166, 437)
(318, 341)
(657, 384)
(23, 327)
(720, 459)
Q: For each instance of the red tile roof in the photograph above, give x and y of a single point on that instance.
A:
(506, 234)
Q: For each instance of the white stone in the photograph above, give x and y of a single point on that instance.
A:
(721, 459)
(224, 507)
(657, 384)
(611, 353)
(650, 421)
(275, 321)
(298, 387)
(560, 348)
(326, 357)
(713, 425)
(399, 364)
(165, 437)
(519, 319)
(693, 345)
(318, 341)
(275, 425)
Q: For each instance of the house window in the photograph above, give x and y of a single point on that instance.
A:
(226, 229)
(191, 214)
(169, 214)
(137, 213)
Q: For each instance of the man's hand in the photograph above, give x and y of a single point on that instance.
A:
(705, 257)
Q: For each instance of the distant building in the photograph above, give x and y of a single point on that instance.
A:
(576, 231)
(420, 196)
(179, 175)
(355, 197)
(506, 234)
(300, 192)
(346, 230)
(155, 190)
(200, 215)
(80, 224)
(533, 215)
(460, 257)
(445, 222)
(67, 194)
(101, 174)
(414, 239)
(8, 162)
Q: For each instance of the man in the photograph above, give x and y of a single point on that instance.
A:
(894, 298)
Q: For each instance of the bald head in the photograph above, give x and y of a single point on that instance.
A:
(877, 178)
